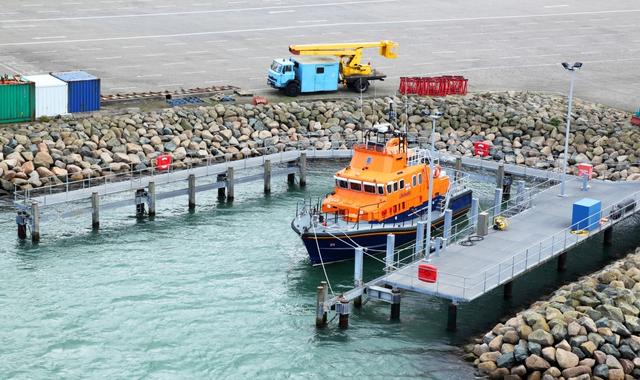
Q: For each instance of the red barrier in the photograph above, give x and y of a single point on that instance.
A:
(635, 120)
(434, 86)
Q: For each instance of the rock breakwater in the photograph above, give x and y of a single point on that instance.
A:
(523, 128)
(587, 330)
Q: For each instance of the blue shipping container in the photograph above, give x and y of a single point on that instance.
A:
(586, 214)
(84, 90)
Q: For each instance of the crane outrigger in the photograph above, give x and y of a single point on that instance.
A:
(326, 66)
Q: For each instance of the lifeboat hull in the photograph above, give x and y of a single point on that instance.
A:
(339, 246)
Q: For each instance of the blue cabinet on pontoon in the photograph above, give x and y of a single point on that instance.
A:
(586, 214)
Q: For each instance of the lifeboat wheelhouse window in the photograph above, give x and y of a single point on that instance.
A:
(356, 186)
(381, 189)
(395, 186)
(389, 188)
(420, 178)
(414, 181)
(368, 188)
(341, 183)
(402, 183)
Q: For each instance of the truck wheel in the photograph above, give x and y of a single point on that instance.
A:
(292, 88)
(360, 85)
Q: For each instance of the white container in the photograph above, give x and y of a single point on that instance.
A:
(52, 95)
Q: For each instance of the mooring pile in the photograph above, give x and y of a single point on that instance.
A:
(588, 329)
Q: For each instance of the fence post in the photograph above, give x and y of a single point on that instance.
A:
(95, 211)
(448, 218)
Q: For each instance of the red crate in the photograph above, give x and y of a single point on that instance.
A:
(635, 120)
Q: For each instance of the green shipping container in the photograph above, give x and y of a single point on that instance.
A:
(17, 101)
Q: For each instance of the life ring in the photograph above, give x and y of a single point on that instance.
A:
(436, 172)
(580, 233)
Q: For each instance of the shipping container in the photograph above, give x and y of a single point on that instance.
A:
(83, 89)
(51, 95)
(17, 100)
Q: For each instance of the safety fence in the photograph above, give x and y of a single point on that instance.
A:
(434, 86)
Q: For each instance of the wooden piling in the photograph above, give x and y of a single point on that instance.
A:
(452, 317)
(302, 163)
(291, 178)
(320, 313)
(95, 211)
(140, 201)
(221, 190)
(192, 192)
(267, 176)
(22, 225)
(151, 193)
(395, 304)
(35, 222)
(508, 290)
(562, 262)
(608, 236)
(458, 168)
(342, 308)
(230, 184)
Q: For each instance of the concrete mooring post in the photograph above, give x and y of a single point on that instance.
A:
(357, 274)
(302, 163)
(448, 221)
(395, 304)
(419, 239)
(500, 176)
(151, 199)
(608, 236)
(452, 316)
(342, 308)
(95, 211)
(475, 205)
(192, 192)
(388, 260)
(230, 184)
(35, 222)
(267, 176)
(483, 224)
(497, 202)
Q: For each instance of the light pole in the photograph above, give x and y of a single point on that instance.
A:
(434, 118)
(572, 69)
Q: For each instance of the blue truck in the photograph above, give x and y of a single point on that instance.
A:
(304, 74)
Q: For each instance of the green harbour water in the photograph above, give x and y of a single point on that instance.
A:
(225, 292)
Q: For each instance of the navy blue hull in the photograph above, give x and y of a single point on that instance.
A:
(327, 248)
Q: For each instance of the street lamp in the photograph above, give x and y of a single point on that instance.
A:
(572, 69)
(434, 118)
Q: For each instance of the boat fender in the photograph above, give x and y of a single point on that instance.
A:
(436, 172)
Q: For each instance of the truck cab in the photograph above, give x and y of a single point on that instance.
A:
(304, 74)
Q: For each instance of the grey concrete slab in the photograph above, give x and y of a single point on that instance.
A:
(499, 45)
(533, 237)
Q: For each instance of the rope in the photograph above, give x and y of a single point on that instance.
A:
(322, 261)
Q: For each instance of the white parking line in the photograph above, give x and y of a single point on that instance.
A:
(49, 38)
(288, 8)
(323, 26)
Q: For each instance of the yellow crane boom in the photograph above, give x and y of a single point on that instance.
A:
(350, 55)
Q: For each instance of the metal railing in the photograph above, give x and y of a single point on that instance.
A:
(469, 287)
